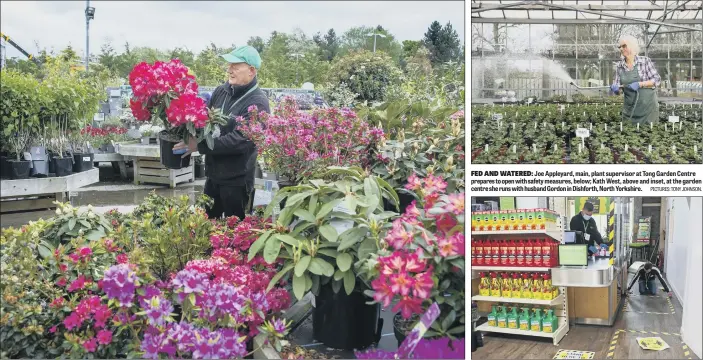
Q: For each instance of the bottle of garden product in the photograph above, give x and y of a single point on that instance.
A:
(547, 289)
(536, 320)
(536, 286)
(526, 292)
(537, 252)
(484, 286)
(547, 252)
(502, 317)
(524, 319)
(516, 286)
(505, 285)
(493, 317)
(495, 285)
(549, 322)
(555, 292)
(520, 253)
(512, 318)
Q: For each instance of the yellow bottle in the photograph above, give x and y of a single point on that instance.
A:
(547, 291)
(495, 285)
(484, 287)
(506, 286)
(526, 292)
(517, 286)
(536, 287)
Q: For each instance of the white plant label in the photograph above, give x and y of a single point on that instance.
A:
(497, 116)
(529, 101)
(673, 147)
(262, 197)
(561, 107)
(544, 124)
(695, 148)
(562, 125)
(534, 148)
(674, 119)
(514, 149)
(486, 147)
(626, 147)
(666, 127)
(621, 126)
(583, 133)
(606, 127)
(651, 126)
(86, 158)
(513, 126)
(27, 156)
(602, 146)
(638, 126)
(555, 147)
(535, 124)
(649, 149)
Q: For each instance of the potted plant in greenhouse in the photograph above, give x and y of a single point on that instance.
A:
(62, 164)
(19, 108)
(81, 150)
(199, 167)
(338, 227)
(425, 253)
(165, 92)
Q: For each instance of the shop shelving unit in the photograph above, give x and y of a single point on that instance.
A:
(555, 231)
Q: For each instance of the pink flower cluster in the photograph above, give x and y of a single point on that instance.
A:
(119, 283)
(152, 84)
(299, 144)
(419, 241)
(202, 343)
(90, 305)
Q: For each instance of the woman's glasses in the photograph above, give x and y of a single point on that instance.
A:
(623, 46)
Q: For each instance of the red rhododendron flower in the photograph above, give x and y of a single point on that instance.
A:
(77, 284)
(445, 223)
(53, 329)
(422, 286)
(122, 258)
(188, 108)
(408, 306)
(138, 110)
(61, 282)
(382, 291)
(63, 267)
(85, 252)
(56, 303)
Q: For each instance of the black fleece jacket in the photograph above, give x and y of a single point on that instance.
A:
(643, 276)
(232, 161)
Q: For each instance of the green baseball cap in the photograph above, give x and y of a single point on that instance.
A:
(244, 54)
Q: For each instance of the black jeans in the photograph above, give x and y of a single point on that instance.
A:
(230, 200)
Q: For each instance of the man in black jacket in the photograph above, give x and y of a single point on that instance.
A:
(231, 164)
(646, 275)
(583, 221)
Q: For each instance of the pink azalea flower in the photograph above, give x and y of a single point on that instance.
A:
(122, 258)
(77, 284)
(85, 252)
(455, 204)
(447, 248)
(104, 337)
(401, 283)
(61, 282)
(53, 329)
(408, 306)
(382, 292)
(63, 267)
(90, 345)
(423, 285)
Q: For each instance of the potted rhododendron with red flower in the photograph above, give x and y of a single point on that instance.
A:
(422, 260)
(301, 145)
(166, 92)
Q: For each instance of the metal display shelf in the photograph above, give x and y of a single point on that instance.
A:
(555, 231)
(556, 336)
(554, 302)
(509, 268)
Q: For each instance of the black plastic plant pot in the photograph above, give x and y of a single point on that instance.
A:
(342, 321)
(199, 171)
(82, 162)
(62, 166)
(169, 159)
(40, 168)
(4, 172)
(405, 200)
(19, 169)
(282, 185)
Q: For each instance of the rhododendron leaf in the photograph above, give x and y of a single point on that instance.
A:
(276, 278)
(288, 239)
(321, 267)
(257, 245)
(300, 227)
(344, 261)
(271, 251)
(350, 237)
(286, 215)
(295, 199)
(328, 252)
(368, 246)
(298, 286)
(326, 208)
(329, 232)
(315, 285)
(338, 275)
(449, 320)
(317, 182)
(95, 235)
(457, 330)
(210, 141)
(302, 265)
(312, 205)
(308, 282)
(389, 190)
(71, 224)
(305, 215)
(336, 286)
(349, 281)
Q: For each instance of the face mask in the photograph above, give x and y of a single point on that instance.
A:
(586, 217)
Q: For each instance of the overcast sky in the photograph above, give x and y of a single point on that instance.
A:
(193, 24)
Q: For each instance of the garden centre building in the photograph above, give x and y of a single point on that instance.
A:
(586, 277)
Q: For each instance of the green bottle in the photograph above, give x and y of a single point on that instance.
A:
(549, 322)
(492, 317)
(536, 321)
(502, 317)
(512, 318)
(524, 319)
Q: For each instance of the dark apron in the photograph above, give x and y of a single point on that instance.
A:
(646, 108)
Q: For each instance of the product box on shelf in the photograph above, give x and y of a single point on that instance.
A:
(485, 221)
(512, 220)
(475, 220)
(494, 220)
(521, 219)
(503, 221)
(530, 219)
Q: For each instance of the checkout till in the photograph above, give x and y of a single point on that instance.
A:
(594, 280)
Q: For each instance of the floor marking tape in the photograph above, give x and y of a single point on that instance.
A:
(612, 348)
(610, 355)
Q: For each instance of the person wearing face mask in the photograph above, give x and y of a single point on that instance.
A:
(638, 78)
(584, 222)
(646, 274)
(230, 165)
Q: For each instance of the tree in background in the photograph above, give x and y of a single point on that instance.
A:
(443, 43)
(329, 45)
(357, 38)
(365, 73)
(257, 42)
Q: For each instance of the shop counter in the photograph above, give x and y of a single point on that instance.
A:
(594, 291)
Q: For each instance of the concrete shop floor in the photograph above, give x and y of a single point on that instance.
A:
(644, 316)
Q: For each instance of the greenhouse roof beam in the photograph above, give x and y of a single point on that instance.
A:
(583, 21)
(623, 17)
(537, 5)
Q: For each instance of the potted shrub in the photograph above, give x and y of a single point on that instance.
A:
(424, 251)
(199, 167)
(298, 146)
(166, 93)
(149, 133)
(62, 164)
(338, 227)
(80, 150)
(19, 109)
(40, 158)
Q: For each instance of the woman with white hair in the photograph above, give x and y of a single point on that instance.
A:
(638, 78)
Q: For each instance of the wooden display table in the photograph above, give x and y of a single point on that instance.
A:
(148, 168)
(115, 159)
(40, 193)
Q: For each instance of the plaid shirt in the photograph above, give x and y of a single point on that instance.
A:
(645, 68)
